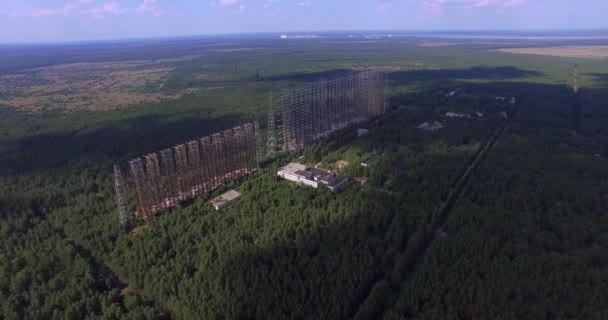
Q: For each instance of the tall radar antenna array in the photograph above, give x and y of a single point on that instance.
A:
(121, 201)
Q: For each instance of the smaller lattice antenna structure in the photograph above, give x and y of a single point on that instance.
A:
(272, 130)
(577, 107)
(575, 79)
(259, 146)
(386, 101)
(121, 200)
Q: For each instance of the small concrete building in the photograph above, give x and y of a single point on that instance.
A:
(430, 126)
(225, 199)
(458, 115)
(336, 183)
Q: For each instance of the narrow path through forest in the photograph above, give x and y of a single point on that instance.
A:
(445, 208)
(427, 233)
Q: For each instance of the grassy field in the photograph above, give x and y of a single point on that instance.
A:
(591, 52)
(517, 186)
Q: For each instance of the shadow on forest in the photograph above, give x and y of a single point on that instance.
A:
(602, 77)
(310, 76)
(133, 137)
(489, 73)
(313, 272)
(108, 142)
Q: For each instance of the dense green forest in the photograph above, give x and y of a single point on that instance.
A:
(500, 215)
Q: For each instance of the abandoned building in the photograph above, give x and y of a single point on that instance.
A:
(312, 177)
(225, 199)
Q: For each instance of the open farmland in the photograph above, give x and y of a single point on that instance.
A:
(591, 52)
(98, 85)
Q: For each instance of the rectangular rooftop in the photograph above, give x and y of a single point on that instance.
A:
(225, 199)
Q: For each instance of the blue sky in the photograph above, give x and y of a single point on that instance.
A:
(69, 20)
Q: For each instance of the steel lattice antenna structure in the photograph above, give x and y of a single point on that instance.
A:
(298, 118)
(315, 112)
(386, 102)
(190, 169)
(575, 79)
(576, 110)
(258, 143)
(121, 201)
(272, 132)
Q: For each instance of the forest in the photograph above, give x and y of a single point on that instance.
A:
(501, 214)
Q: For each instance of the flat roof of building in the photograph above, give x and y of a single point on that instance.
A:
(338, 180)
(302, 173)
(319, 171)
(225, 197)
(293, 168)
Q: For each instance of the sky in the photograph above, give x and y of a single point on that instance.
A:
(74, 20)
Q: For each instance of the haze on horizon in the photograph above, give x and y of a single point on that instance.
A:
(73, 20)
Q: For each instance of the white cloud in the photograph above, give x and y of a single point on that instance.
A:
(383, 6)
(148, 6)
(70, 9)
(437, 6)
(269, 3)
(110, 7)
(305, 3)
(241, 9)
(512, 3)
(79, 8)
(88, 8)
(106, 9)
(41, 12)
(151, 8)
(228, 3)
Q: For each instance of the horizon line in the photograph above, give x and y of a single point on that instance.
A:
(413, 32)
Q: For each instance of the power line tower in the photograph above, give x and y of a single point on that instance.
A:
(259, 144)
(275, 121)
(577, 107)
(575, 79)
(121, 201)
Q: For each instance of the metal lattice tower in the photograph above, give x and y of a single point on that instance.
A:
(195, 168)
(184, 178)
(577, 107)
(154, 184)
(121, 201)
(271, 148)
(315, 112)
(188, 170)
(169, 196)
(258, 143)
(575, 79)
(250, 157)
(144, 197)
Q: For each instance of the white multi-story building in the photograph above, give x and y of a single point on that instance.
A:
(312, 177)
